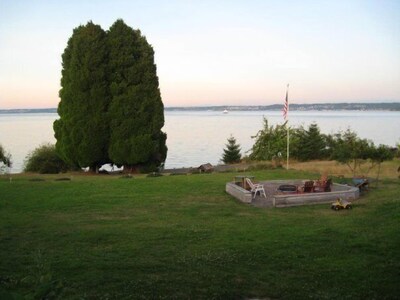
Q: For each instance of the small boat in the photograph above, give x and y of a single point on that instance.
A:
(225, 111)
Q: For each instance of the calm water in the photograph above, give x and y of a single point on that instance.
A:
(199, 137)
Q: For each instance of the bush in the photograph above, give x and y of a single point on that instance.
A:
(5, 159)
(45, 160)
(270, 142)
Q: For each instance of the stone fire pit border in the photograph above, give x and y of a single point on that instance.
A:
(274, 199)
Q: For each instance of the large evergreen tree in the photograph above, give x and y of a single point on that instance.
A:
(136, 111)
(231, 152)
(110, 108)
(82, 131)
(310, 143)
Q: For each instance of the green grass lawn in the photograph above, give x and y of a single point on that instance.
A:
(103, 237)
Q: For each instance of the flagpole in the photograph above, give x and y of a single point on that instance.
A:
(287, 126)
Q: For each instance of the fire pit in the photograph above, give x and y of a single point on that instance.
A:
(284, 193)
(287, 188)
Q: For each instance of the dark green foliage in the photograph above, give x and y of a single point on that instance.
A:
(136, 111)
(349, 149)
(5, 158)
(270, 142)
(111, 109)
(380, 154)
(82, 131)
(45, 160)
(308, 144)
(345, 147)
(231, 153)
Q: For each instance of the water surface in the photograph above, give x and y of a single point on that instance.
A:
(196, 137)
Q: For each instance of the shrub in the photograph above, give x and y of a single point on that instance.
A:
(5, 159)
(269, 142)
(45, 160)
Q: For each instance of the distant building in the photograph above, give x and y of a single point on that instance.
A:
(206, 168)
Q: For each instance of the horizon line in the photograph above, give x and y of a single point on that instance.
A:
(237, 105)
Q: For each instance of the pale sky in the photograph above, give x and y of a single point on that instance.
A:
(217, 52)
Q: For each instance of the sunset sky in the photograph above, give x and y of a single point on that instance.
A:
(217, 52)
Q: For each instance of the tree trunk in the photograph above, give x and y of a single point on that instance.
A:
(377, 176)
(130, 169)
(94, 169)
(355, 168)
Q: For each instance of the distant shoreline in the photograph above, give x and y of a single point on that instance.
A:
(393, 106)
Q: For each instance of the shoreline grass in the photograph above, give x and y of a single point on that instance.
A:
(99, 237)
(388, 168)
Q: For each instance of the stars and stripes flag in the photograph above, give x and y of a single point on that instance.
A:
(285, 116)
(286, 105)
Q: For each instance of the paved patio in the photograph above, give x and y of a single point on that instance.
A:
(279, 199)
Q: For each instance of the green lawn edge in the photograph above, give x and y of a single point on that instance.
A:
(174, 237)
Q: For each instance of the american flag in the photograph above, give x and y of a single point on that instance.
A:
(286, 105)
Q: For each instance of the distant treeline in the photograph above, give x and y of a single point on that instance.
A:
(28, 110)
(394, 106)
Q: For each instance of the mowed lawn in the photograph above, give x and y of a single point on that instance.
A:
(179, 237)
